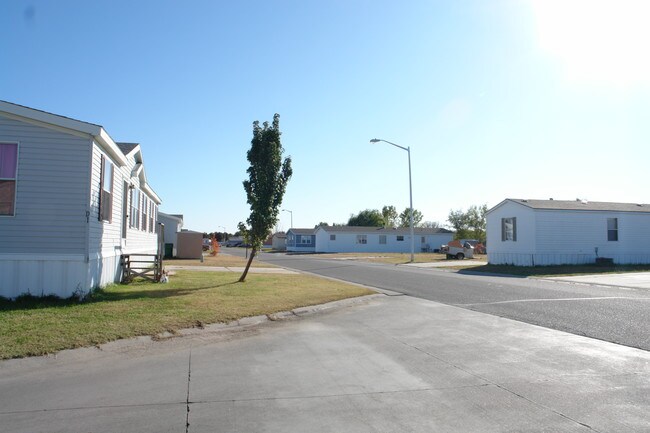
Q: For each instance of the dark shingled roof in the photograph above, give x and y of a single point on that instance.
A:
(303, 231)
(583, 205)
(384, 231)
(126, 148)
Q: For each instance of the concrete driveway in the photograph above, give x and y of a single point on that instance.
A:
(637, 280)
(379, 364)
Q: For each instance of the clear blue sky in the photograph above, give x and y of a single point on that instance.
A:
(521, 99)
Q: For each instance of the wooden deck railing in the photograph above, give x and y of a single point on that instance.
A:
(147, 266)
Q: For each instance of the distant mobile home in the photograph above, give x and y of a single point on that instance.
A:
(173, 223)
(72, 201)
(555, 232)
(301, 240)
(344, 239)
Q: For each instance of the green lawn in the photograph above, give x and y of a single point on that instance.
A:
(548, 271)
(41, 326)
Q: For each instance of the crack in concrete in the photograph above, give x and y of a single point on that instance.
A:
(187, 399)
(351, 394)
(108, 406)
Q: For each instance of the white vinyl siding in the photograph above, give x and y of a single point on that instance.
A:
(55, 242)
(51, 191)
(549, 237)
(369, 240)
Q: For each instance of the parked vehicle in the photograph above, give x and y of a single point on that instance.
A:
(457, 250)
(479, 248)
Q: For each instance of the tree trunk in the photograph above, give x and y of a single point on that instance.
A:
(248, 264)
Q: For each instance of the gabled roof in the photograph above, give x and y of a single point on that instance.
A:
(583, 205)
(384, 230)
(302, 231)
(43, 118)
(176, 217)
(127, 148)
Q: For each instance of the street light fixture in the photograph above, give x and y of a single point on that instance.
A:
(408, 150)
(291, 212)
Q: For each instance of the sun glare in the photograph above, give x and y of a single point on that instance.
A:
(597, 40)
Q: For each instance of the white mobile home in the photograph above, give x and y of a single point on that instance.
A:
(72, 201)
(173, 223)
(344, 239)
(554, 232)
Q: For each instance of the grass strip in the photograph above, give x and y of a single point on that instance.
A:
(35, 326)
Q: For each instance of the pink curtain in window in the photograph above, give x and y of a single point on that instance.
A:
(8, 160)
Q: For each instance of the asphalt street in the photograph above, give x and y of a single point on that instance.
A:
(614, 314)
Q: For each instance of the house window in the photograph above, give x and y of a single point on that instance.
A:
(135, 208)
(332, 237)
(423, 240)
(8, 167)
(106, 191)
(125, 207)
(509, 229)
(382, 239)
(305, 240)
(152, 210)
(612, 229)
(362, 239)
(145, 205)
(400, 238)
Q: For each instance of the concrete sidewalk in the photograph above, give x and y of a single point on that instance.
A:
(636, 280)
(379, 364)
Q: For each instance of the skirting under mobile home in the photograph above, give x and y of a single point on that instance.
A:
(72, 202)
(560, 232)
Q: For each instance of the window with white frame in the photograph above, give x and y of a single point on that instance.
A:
(8, 169)
(106, 191)
(382, 239)
(332, 237)
(152, 210)
(612, 229)
(509, 229)
(305, 240)
(423, 239)
(135, 208)
(362, 239)
(145, 206)
(400, 238)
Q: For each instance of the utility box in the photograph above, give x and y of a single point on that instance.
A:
(190, 245)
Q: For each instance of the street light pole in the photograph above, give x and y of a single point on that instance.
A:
(291, 212)
(408, 150)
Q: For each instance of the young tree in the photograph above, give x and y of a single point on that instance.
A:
(469, 224)
(390, 216)
(267, 180)
(431, 225)
(405, 218)
(367, 218)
